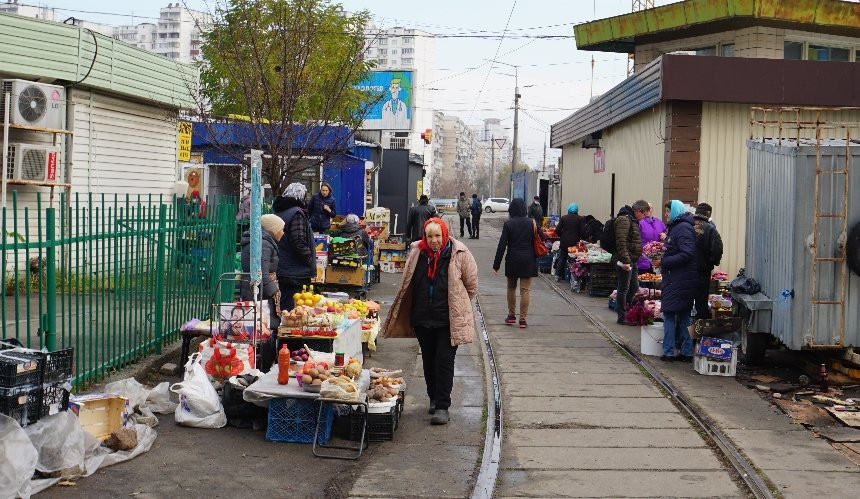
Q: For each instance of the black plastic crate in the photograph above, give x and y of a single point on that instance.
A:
(23, 404)
(55, 399)
(20, 368)
(58, 366)
(380, 426)
(600, 292)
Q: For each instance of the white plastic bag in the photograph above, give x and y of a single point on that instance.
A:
(18, 459)
(59, 440)
(199, 405)
(158, 400)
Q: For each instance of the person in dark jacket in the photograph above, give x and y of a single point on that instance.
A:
(709, 252)
(297, 258)
(536, 211)
(463, 210)
(628, 249)
(419, 214)
(476, 209)
(322, 209)
(351, 229)
(593, 229)
(570, 230)
(517, 240)
(679, 282)
(272, 231)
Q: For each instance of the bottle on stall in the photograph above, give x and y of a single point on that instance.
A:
(284, 365)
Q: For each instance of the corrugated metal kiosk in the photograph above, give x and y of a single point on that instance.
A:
(802, 201)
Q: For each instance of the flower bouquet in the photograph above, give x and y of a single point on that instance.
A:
(654, 250)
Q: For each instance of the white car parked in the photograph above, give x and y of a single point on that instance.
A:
(492, 205)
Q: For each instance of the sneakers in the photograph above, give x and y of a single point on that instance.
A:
(440, 417)
(511, 319)
(666, 358)
(523, 324)
(685, 358)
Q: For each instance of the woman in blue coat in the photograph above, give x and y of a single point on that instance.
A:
(679, 282)
(322, 209)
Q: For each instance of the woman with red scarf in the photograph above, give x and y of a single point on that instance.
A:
(434, 305)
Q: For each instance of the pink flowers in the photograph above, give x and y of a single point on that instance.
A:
(654, 250)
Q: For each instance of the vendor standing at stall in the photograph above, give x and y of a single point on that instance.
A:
(434, 305)
(570, 230)
(297, 256)
(322, 208)
(351, 229)
(651, 228)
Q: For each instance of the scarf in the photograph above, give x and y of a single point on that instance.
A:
(433, 257)
(677, 209)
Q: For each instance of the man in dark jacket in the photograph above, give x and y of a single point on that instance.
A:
(476, 209)
(465, 214)
(593, 229)
(419, 214)
(297, 258)
(570, 230)
(351, 229)
(679, 282)
(709, 252)
(628, 249)
(536, 211)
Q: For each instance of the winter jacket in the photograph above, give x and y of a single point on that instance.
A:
(680, 279)
(536, 213)
(268, 263)
(418, 214)
(463, 208)
(462, 288)
(429, 308)
(650, 228)
(517, 240)
(570, 229)
(296, 249)
(475, 207)
(593, 229)
(628, 239)
(321, 219)
(351, 230)
(709, 245)
(244, 208)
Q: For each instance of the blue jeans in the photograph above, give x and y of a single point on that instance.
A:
(677, 323)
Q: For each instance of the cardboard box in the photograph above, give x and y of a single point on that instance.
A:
(391, 246)
(321, 242)
(322, 263)
(714, 348)
(100, 414)
(342, 275)
(377, 215)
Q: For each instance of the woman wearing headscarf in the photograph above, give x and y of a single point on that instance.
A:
(517, 241)
(434, 305)
(651, 228)
(570, 230)
(351, 229)
(297, 257)
(322, 208)
(679, 281)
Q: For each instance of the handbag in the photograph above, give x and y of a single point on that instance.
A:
(540, 247)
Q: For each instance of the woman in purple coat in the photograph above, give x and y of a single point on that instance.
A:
(651, 228)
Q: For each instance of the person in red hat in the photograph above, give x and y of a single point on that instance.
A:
(434, 305)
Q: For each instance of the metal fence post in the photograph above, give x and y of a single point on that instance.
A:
(159, 277)
(51, 276)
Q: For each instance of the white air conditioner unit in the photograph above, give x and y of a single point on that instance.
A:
(33, 104)
(33, 162)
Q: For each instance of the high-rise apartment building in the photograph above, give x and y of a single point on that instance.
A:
(179, 32)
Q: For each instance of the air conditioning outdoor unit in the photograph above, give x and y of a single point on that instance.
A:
(33, 104)
(33, 162)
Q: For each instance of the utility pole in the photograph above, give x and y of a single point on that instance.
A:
(543, 167)
(493, 167)
(516, 120)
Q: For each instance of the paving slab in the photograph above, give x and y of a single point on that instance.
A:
(822, 484)
(582, 366)
(615, 483)
(590, 404)
(603, 437)
(616, 458)
(543, 343)
(567, 419)
(803, 452)
(556, 387)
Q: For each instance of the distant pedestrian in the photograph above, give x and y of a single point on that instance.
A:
(419, 214)
(434, 305)
(679, 282)
(297, 256)
(651, 227)
(709, 252)
(465, 214)
(476, 209)
(628, 249)
(570, 230)
(322, 208)
(536, 211)
(518, 241)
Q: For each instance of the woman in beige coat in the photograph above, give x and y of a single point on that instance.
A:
(434, 305)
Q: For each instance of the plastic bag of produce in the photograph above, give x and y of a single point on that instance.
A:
(199, 405)
(339, 388)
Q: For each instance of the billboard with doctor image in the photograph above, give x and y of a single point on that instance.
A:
(393, 111)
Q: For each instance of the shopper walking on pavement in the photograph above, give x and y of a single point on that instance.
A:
(434, 305)
(518, 241)
(679, 281)
(709, 252)
(536, 211)
(297, 258)
(322, 208)
(628, 249)
(476, 210)
(418, 215)
(463, 209)
(570, 230)
(651, 227)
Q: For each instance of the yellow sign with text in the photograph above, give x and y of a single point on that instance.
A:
(419, 188)
(183, 140)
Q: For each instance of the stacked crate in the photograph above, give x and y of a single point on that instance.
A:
(32, 383)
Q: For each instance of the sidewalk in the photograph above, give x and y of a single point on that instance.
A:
(580, 418)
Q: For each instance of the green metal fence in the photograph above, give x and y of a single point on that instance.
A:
(112, 276)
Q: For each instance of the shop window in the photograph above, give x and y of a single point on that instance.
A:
(822, 53)
(793, 51)
(857, 56)
(727, 50)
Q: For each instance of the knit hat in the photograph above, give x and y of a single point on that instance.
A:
(573, 208)
(272, 223)
(296, 190)
(352, 218)
(677, 209)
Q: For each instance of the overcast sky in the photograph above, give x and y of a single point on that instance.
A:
(554, 77)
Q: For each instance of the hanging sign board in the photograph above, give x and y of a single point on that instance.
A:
(183, 140)
(599, 161)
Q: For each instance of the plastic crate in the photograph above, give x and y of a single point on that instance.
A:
(295, 420)
(55, 399)
(599, 291)
(58, 366)
(20, 368)
(380, 426)
(712, 367)
(23, 404)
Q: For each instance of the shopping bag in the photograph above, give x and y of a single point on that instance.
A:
(199, 405)
(540, 247)
(243, 353)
